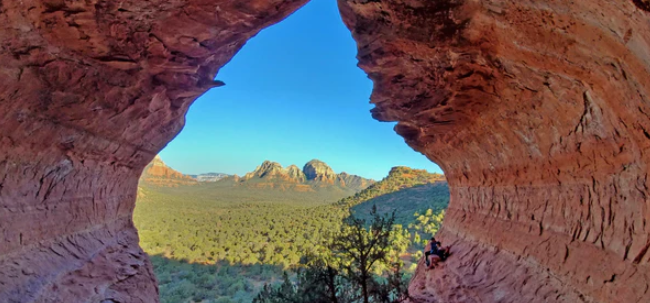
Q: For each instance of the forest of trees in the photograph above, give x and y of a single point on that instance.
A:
(362, 265)
(224, 250)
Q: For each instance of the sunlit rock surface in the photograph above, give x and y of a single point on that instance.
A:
(317, 170)
(295, 173)
(269, 170)
(536, 110)
(157, 173)
(315, 174)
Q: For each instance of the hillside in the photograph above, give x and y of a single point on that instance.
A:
(407, 201)
(398, 178)
(250, 229)
(405, 191)
(315, 184)
(157, 173)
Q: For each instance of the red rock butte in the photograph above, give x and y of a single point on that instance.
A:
(537, 111)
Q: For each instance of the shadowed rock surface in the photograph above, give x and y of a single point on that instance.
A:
(538, 114)
(537, 111)
(319, 171)
(90, 91)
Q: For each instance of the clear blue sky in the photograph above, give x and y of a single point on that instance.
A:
(292, 94)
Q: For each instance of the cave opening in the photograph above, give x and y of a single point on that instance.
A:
(218, 228)
(536, 111)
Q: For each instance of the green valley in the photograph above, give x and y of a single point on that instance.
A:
(222, 241)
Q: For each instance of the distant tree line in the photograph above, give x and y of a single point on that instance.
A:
(209, 250)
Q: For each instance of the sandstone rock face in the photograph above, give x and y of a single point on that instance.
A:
(314, 174)
(157, 173)
(536, 110)
(317, 170)
(295, 173)
(90, 91)
(353, 181)
(267, 170)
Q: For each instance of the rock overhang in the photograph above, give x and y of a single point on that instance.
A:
(537, 113)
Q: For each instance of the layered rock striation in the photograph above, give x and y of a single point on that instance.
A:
(90, 91)
(537, 111)
(538, 114)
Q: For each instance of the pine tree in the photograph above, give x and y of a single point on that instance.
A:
(364, 248)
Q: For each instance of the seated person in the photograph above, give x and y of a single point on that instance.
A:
(436, 252)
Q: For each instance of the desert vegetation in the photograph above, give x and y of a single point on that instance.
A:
(211, 243)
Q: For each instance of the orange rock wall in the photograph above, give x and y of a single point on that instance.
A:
(536, 111)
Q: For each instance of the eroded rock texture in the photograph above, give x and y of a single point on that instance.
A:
(536, 110)
(538, 113)
(90, 91)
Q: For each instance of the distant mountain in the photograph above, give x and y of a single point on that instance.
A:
(406, 201)
(288, 210)
(405, 191)
(315, 174)
(316, 170)
(399, 177)
(268, 183)
(159, 174)
(272, 171)
(209, 177)
(353, 181)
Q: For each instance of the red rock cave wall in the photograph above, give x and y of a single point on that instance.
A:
(536, 110)
(90, 91)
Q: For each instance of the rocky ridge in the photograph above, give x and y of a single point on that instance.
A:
(268, 170)
(314, 173)
(268, 175)
(319, 171)
(159, 174)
